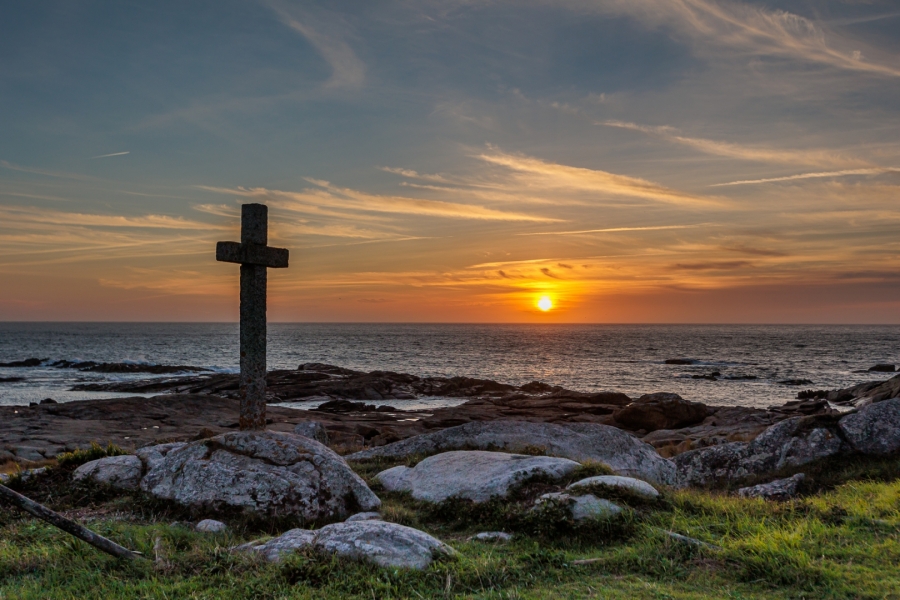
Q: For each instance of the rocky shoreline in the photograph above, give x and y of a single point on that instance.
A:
(204, 405)
(533, 453)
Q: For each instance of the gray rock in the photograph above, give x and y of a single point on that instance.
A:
(385, 544)
(276, 549)
(264, 472)
(364, 516)
(53, 451)
(624, 453)
(585, 506)
(153, 455)
(491, 536)
(395, 479)
(636, 486)
(313, 430)
(478, 475)
(875, 429)
(790, 443)
(23, 475)
(382, 543)
(862, 402)
(661, 410)
(878, 391)
(795, 442)
(211, 526)
(707, 466)
(123, 472)
(780, 489)
(29, 453)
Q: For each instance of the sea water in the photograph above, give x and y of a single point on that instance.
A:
(624, 358)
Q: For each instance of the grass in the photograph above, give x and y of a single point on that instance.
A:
(841, 541)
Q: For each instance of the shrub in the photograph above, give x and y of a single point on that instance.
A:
(72, 460)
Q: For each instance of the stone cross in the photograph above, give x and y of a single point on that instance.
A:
(254, 256)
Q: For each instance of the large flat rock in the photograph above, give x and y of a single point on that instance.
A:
(475, 475)
(580, 442)
(262, 472)
(384, 544)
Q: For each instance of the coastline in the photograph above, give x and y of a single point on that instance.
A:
(351, 406)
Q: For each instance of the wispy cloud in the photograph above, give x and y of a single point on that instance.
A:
(819, 157)
(714, 265)
(615, 229)
(753, 251)
(21, 215)
(109, 155)
(348, 71)
(415, 174)
(534, 172)
(175, 282)
(45, 172)
(504, 263)
(31, 236)
(34, 196)
(751, 29)
(553, 261)
(826, 174)
(332, 196)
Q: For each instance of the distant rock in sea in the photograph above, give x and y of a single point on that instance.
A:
(28, 362)
(680, 361)
(95, 367)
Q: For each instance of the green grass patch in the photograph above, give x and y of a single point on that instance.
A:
(839, 542)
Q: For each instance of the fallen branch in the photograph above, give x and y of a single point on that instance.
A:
(671, 534)
(57, 520)
(687, 540)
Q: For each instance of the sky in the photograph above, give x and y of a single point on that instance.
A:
(633, 161)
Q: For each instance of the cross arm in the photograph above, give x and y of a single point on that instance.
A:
(252, 254)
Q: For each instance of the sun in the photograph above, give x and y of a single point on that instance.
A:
(545, 303)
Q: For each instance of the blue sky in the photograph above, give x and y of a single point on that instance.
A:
(634, 160)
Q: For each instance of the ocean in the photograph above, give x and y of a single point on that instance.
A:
(750, 359)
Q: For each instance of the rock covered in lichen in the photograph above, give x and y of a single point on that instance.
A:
(263, 472)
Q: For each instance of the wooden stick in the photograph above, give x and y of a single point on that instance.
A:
(686, 540)
(57, 520)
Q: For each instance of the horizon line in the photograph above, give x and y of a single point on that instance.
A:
(606, 323)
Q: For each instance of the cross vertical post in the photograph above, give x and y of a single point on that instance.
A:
(255, 257)
(254, 230)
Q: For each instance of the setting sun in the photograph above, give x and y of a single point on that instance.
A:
(545, 303)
